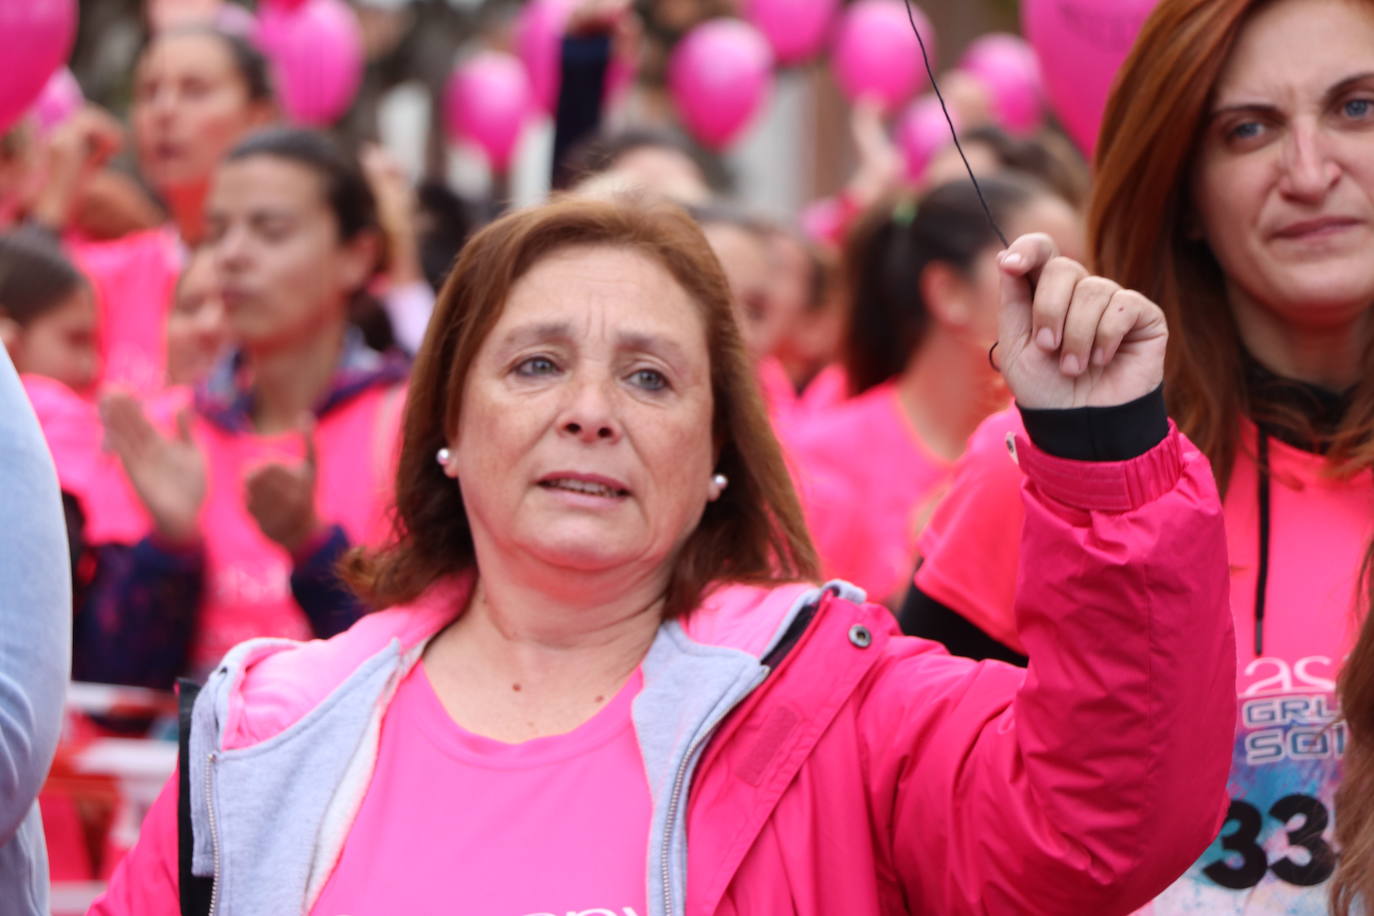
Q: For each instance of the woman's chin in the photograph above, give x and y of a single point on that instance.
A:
(586, 551)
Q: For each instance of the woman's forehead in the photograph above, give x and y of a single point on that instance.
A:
(1302, 46)
(600, 289)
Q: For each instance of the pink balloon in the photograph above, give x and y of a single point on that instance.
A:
(877, 55)
(720, 75)
(282, 4)
(35, 38)
(60, 99)
(487, 102)
(796, 29)
(1010, 71)
(538, 41)
(1081, 44)
(317, 50)
(921, 133)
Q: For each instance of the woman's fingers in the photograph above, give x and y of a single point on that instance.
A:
(1054, 294)
(1089, 300)
(1128, 312)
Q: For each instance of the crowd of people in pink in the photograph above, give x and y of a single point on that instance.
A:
(571, 532)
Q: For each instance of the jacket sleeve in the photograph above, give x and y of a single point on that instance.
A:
(316, 586)
(35, 605)
(137, 616)
(145, 881)
(1091, 782)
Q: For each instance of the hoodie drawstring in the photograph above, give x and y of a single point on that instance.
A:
(1262, 579)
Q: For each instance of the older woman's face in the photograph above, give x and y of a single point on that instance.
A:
(585, 433)
(1284, 182)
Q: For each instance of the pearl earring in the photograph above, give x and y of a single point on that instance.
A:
(720, 482)
(443, 456)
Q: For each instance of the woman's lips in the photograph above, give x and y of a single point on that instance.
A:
(593, 485)
(1316, 228)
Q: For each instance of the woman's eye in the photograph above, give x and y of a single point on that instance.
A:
(649, 379)
(1246, 130)
(1358, 108)
(536, 366)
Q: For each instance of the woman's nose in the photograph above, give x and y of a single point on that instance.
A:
(589, 414)
(1310, 169)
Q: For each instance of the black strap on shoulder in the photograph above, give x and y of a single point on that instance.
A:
(195, 891)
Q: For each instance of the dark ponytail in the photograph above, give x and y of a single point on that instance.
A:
(887, 252)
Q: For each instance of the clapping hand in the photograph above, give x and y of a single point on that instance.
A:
(168, 474)
(281, 497)
(1070, 339)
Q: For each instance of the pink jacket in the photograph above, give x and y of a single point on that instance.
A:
(1289, 739)
(802, 755)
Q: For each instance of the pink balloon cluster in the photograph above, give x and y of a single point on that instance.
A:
(316, 47)
(487, 102)
(720, 75)
(538, 40)
(1081, 44)
(35, 38)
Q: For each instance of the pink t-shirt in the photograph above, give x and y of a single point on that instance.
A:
(867, 484)
(456, 823)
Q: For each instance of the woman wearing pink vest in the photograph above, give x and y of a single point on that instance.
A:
(603, 683)
(1255, 238)
(280, 463)
(197, 92)
(921, 280)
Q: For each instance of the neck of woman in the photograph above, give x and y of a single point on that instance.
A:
(538, 655)
(289, 381)
(187, 204)
(947, 389)
(1329, 354)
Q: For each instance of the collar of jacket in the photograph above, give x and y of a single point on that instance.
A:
(225, 398)
(270, 818)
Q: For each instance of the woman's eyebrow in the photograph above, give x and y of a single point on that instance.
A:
(652, 343)
(523, 335)
(1345, 85)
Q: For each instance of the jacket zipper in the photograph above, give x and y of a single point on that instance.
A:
(214, 832)
(679, 784)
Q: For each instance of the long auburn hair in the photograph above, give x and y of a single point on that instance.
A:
(1138, 232)
(753, 533)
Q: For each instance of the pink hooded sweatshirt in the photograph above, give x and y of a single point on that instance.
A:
(1275, 854)
(802, 756)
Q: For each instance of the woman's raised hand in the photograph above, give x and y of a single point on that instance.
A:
(281, 497)
(168, 474)
(1070, 339)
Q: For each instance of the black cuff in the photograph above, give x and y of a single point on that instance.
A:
(1117, 433)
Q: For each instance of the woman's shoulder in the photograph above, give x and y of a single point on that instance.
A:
(277, 682)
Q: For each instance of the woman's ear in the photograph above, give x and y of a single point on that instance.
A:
(946, 295)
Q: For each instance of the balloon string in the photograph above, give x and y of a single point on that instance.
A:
(953, 132)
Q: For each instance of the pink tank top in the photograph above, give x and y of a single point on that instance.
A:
(134, 279)
(456, 823)
(248, 577)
